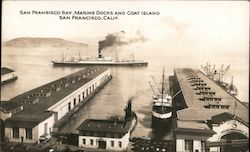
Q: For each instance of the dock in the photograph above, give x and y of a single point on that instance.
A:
(45, 108)
(205, 113)
(7, 75)
(71, 113)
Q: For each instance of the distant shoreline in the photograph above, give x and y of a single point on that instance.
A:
(30, 42)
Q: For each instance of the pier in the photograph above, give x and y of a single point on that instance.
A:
(44, 109)
(7, 75)
(206, 115)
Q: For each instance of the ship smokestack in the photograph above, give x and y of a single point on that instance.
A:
(99, 53)
(128, 109)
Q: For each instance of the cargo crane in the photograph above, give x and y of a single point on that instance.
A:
(218, 75)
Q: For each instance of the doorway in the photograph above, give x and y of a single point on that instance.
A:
(235, 142)
(102, 144)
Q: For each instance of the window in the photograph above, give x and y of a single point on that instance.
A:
(15, 132)
(189, 145)
(28, 133)
(112, 143)
(203, 144)
(46, 128)
(91, 142)
(83, 95)
(84, 141)
(120, 144)
(79, 98)
(74, 101)
(69, 106)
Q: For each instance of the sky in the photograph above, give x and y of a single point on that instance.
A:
(227, 20)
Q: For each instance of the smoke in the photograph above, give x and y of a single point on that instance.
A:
(111, 40)
(131, 98)
(139, 37)
(116, 39)
(179, 27)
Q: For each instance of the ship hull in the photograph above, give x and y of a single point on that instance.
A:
(158, 123)
(100, 63)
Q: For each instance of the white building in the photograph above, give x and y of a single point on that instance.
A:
(7, 75)
(104, 134)
(45, 105)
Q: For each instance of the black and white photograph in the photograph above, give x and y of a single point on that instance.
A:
(131, 76)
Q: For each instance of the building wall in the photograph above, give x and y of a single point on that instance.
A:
(41, 127)
(196, 138)
(22, 133)
(226, 128)
(61, 107)
(5, 115)
(8, 76)
(197, 145)
(180, 145)
(124, 140)
(37, 131)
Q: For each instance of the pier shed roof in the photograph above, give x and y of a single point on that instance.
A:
(28, 118)
(196, 108)
(5, 70)
(193, 127)
(7, 106)
(35, 112)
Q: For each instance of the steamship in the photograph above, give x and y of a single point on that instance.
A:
(100, 60)
(162, 105)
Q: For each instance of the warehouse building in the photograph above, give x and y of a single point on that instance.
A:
(45, 105)
(209, 117)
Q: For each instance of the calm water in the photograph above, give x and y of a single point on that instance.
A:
(33, 68)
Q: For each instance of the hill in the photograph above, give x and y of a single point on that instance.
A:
(41, 42)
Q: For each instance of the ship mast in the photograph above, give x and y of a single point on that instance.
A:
(79, 55)
(152, 88)
(116, 55)
(162, 89)
(231, 85)
(133, 56)
(62, 57)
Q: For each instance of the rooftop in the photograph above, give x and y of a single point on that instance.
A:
(195, 108)
(5, 70)
(193, 126)
(112, 126)
(8, 106)
(36, 103)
